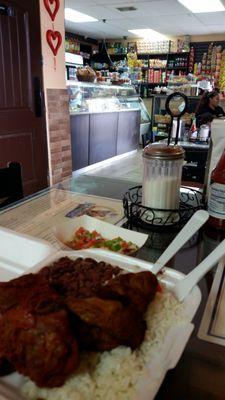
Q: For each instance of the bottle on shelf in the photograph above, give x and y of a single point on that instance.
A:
(199, 69)
(193, 133)
(171, 76)
(204, 133)
(216, 198)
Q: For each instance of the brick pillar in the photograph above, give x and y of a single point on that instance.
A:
(59, 135)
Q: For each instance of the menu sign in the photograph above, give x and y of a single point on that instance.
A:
(38, 215)
(212, 326)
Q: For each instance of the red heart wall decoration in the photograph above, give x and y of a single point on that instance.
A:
(54, 39)
(52, 11)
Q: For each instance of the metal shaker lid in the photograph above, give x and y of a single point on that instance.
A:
(163, 152)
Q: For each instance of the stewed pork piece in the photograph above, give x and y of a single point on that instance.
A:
(106, 323)
(137, 290)
(14, 291)
(35, 332)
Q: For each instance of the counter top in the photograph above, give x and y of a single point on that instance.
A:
(166, 95)
(197, 145)
(189, 145)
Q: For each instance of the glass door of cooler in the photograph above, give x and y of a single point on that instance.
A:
(71, 72)
(145, 120)
(137, 102)
(73, 61)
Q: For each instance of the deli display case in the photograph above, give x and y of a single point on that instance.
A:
(106, 121)
(95, 97)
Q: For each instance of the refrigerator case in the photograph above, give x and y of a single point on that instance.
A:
(85, 97)
(145, 116)
(73, 61)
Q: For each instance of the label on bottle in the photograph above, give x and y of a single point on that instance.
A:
(193, 135)
(216, 202)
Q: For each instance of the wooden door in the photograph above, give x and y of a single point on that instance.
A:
(22, 121)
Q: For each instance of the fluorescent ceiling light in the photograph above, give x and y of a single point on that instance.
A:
(76, 16)
(148, 34)
(203, 6)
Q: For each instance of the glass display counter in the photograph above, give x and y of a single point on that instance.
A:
(85, 97)
(106, 121)
(96, 97)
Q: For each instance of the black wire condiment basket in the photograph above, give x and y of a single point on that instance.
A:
(143, 217)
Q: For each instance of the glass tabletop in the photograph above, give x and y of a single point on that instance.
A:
(200, 372)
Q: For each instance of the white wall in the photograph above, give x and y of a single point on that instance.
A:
(53, 79)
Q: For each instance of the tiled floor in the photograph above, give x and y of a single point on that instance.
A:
(128, 168)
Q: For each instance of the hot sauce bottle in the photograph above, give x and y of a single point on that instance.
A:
(216, 199)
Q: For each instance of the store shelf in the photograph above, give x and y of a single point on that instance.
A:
(162, 54)
(179, 54)
(152, 54)
(117, 55)
(155, 68)
(157, 83)
(177, 68)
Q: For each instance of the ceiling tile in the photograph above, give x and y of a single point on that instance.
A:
(123, 2)
(73, 4)
(97, 30)
(101, 12)
(143, 9)
(165, 7)
(195, 30)
(81, 28)
(216, 28)
(173, 30)
(212, 18)
(174, 20)
(131, 23)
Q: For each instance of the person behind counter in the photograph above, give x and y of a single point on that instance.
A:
(208, 108)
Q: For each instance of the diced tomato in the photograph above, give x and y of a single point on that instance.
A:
(81, 230)
(84, 239)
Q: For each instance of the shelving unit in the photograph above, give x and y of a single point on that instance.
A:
(169, 57)
(152, 75)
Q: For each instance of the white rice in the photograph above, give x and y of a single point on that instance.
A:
(113, 375)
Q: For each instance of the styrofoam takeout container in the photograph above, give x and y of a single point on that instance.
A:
(174, 343)
(19, 252)
(64, 229)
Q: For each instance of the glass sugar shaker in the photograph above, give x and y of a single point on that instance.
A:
(162, 176)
